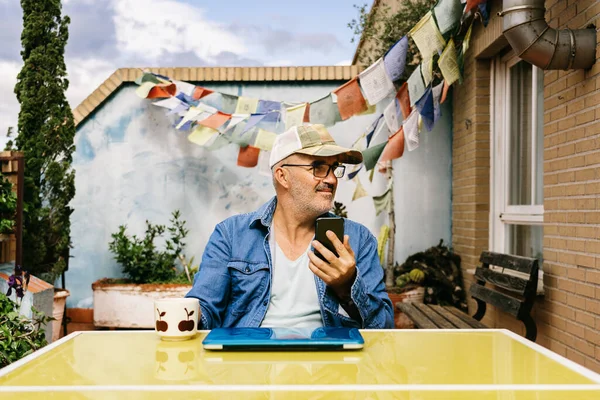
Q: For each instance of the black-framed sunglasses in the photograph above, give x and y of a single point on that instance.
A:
(321, 170)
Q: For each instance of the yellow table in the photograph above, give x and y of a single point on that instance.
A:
(395, 364)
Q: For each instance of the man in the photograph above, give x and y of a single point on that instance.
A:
(259, 269)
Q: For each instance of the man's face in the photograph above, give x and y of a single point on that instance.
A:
(311, 193)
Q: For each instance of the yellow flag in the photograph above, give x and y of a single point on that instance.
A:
(201, 135)
(359, 191)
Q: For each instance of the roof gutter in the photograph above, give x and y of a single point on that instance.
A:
(528, 33)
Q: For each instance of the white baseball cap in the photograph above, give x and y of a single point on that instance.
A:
(311, 139)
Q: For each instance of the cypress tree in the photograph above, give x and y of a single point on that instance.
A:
(45, 134)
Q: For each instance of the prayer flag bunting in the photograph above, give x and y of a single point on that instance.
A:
(246, 105)
(471, 4)
(395, 59)
(352, 174)
(437, 93)
(151, 90)
(294, 116)
(359, 190)
(372, 129)
(383, 202)
(371, 155)
(265, 139)
(411, 131)
(425, 107)
(248, 156)
(350, 100)
(226, 103)
(147, 77)
(427, 37)
(324, 111)
(375, 82)
(416, 87)
(394, 149)
(444, 92)
(272, 109)
(216, 120)
(447, 14)
(390, 114)
(448, 63)
(185, 87)
(200, 92)
(404, 100)
(201, 135)
(252, 121)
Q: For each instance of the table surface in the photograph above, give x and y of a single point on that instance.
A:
(412, 364)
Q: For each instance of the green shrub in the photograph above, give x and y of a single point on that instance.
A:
(8, 206)
(142, 261)
(19, 335)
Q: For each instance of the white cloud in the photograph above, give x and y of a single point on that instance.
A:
(85, 75)
(151, 28)
(9, 106)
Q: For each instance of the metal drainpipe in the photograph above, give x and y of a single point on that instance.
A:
(534, 41)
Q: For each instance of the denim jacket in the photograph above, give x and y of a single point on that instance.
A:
(233, 283)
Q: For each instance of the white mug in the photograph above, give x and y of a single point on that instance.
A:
(176, 318)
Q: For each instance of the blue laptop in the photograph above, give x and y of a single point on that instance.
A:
(285, 339)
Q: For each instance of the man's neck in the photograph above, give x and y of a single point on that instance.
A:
(291, 224)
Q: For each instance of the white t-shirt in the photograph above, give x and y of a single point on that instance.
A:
(294, 302)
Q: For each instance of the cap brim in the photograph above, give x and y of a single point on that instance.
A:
(347, 156)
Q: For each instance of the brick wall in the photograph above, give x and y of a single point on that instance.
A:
(568, 316)
(471, 160)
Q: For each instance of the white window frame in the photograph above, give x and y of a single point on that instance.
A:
(501, 213)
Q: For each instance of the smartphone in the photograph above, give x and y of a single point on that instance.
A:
(324, 224)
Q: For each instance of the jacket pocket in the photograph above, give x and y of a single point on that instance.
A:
(248, 283)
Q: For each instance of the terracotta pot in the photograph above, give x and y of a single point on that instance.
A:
(416, 295)
(58, 311)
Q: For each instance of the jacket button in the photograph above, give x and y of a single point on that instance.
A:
(265, 302)
(247, 269)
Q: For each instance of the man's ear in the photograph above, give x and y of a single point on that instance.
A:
(282, 177)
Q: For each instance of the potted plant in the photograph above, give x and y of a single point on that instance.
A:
(150, 271)
(436, 273)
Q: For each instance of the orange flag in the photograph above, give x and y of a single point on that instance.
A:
(471, 4)
(404, 100)
(215, 120)
(349, 99)
(306, 117)
(162, 90)
(248, 156)
(394, 149)
(444, 92)
(200, 92)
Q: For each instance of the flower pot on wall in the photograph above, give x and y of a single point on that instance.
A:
(58, 311)
(130, 305)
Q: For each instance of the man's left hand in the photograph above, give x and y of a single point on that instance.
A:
(338, 272)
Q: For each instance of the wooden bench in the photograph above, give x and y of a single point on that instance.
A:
(513, 295)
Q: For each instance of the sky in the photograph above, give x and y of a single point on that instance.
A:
(108, 34)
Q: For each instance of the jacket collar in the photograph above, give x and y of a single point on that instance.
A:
(264, 215)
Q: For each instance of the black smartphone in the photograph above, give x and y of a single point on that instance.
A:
(324, 224)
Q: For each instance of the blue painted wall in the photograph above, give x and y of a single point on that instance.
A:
(132, 165)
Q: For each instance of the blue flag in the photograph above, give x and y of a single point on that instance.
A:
(395, 59)
(426, 109)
